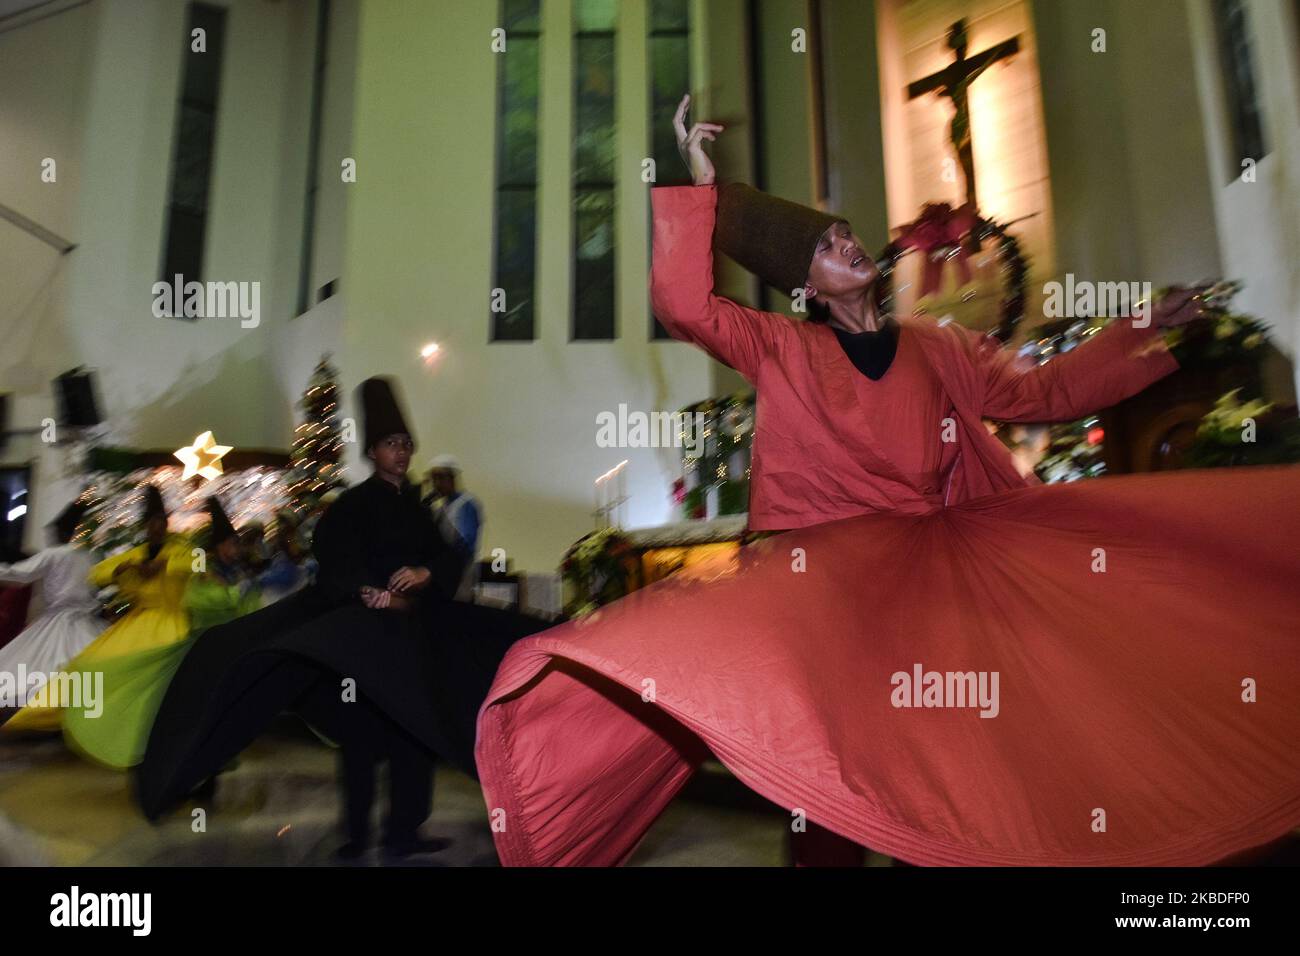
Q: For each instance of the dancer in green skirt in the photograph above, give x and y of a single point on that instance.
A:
(134, 684)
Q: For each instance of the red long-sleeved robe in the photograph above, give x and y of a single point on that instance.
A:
(814, 459)
(1136, 636)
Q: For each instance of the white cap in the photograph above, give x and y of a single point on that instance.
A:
(444, 463)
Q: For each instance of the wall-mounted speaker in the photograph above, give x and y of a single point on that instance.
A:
(75, 391)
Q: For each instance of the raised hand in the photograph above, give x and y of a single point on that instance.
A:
(1178, 306)
(691, 144)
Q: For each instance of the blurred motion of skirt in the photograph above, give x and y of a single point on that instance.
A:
(427, 670)
(1103, 673)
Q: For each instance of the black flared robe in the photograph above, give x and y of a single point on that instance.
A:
(428, 669)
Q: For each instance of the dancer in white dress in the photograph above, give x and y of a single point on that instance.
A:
(67, 621)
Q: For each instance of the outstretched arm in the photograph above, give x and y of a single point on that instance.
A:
(25, 572)
(106, 572)
(681, 275)
(1117, 362)
(681, 284)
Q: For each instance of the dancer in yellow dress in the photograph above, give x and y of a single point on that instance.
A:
(153, 577)
(134, 683)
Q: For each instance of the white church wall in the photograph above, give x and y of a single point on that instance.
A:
(722, 94)
(1259, 220)
(787, 120)
(520, 416)
(1087, 143)
(855, 180)
(854, 137)
(44, 73)
(1172, 214)
(1129, 176)
(108, 116)
(300, 341)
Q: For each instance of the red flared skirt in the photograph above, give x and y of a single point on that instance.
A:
(1104, 673)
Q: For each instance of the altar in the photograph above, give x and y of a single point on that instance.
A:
(667, 549)
(610, 563)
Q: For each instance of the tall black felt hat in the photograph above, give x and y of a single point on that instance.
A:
(65, 523)
(381, 411)
(220, 529)
(771, 237)
(153, 503)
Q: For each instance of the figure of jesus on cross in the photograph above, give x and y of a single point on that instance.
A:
(953, 81)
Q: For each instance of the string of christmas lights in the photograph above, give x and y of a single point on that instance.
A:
(251, 496)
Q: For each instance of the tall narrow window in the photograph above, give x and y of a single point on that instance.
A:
(515, 265)
(758, 108)
(1239, 82)
(196, 129)
(593, 170)
(670, 79)
(313, 156)
(817, 63)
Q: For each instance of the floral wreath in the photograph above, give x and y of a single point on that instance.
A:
(946, 235)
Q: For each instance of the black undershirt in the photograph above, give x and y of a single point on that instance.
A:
(871, 352)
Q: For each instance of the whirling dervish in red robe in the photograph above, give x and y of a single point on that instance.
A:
(940, 659)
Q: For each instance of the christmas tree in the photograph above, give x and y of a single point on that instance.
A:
(317, 441)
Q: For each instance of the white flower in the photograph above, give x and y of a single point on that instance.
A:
(1225, 329)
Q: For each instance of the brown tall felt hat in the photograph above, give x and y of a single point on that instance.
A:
(773, 238)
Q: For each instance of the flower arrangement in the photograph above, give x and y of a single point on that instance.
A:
(1223, 337)
(1244, 433)
(1226, 342)
(599, 568)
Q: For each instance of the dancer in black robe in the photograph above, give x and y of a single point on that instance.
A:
(375, 656)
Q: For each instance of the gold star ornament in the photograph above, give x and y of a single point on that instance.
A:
(203, 458)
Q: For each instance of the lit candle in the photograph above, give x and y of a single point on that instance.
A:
(622, 489)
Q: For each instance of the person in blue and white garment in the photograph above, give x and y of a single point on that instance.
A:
(459, 517)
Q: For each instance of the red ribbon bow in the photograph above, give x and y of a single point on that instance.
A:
(940, 228)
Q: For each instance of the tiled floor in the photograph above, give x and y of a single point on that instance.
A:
(279, 806)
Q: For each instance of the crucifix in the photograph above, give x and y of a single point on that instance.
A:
(953, 81)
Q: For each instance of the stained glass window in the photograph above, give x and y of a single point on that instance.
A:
(313, 158)
(1239, 82)
(594, 154)
(670, 79)
(515, 267)
(196, 130)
